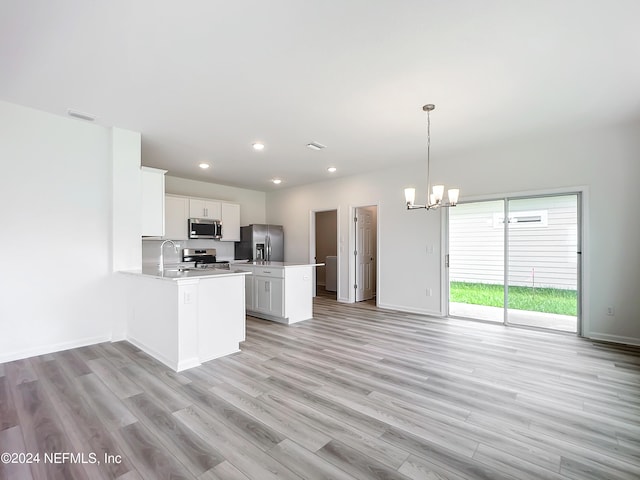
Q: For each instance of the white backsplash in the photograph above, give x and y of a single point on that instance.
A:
(151, 250)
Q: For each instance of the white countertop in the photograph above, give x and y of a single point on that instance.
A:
(175, 273)
(178, 272)
(241, 263)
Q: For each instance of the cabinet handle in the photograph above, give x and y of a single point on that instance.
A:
(266, 271)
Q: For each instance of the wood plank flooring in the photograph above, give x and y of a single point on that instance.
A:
(355, 393)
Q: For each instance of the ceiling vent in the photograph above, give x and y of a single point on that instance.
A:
(316, 146)
(81, 115)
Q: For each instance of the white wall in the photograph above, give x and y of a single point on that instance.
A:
(607, 161)
(56, 233)
(127, 199)
(405, 269)
(126, 219)
(252, 202)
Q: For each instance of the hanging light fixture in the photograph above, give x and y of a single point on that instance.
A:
(434, 196)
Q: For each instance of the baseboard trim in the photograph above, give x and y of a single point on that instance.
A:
(402, 308)
(118, 338)
(58, 347)
(607, 337)
(213, 357)
(158, 356)
(187, 364)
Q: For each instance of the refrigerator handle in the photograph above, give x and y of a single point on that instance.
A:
(268, 247)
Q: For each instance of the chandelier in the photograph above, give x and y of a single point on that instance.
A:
(434, 199)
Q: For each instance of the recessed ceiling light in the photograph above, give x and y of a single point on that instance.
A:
(277, 181)
(204, 165)
(81, 115)
(331, 169)
(316, 146)
(258, 146)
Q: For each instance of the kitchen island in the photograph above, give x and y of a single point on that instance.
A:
(279, 291)
(184, 317)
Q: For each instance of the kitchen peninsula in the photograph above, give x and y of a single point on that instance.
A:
(279, 291)
(184, 316)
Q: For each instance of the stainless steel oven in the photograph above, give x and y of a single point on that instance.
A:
(204, 258)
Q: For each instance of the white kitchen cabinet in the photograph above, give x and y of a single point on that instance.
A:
(248, 288)
(185, 321)
(176, 213)
(152, 201)
(201, 208)
(178, 209)
(268, 295)
(279, 291)
(230, 216)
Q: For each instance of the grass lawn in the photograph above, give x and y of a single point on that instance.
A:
(547, 300)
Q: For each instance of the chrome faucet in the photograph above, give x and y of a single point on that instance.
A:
(175, 247)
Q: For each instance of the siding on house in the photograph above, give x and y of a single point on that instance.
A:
(542, 245)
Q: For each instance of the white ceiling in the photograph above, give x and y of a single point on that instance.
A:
(204, 79)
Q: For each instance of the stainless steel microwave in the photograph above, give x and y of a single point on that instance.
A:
(205, 228)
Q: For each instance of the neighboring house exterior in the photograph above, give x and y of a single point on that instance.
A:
(542, 243)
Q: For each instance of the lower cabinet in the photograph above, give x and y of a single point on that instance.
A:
(280, 293)
(248, 288)
(268, 295)
(186, 321)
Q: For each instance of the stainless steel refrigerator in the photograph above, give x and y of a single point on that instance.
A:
(261, 242)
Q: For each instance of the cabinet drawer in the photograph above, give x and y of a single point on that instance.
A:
(269, 272)
(242, 268)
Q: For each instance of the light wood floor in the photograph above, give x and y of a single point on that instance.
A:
(354, 393)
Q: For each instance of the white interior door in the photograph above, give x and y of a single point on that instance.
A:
(364, 254)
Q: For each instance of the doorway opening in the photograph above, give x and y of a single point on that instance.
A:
(366, 251)
(326, 251)
(517, 261)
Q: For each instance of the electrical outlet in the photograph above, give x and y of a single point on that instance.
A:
(610, 311)
(187, 297)
(429, 292)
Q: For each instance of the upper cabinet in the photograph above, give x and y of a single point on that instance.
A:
(152, 202)
(230, 222)
(200, 208)
(176, 214)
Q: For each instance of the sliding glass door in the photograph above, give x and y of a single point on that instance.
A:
(542, 265)
(516, 261)
(476, 261)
